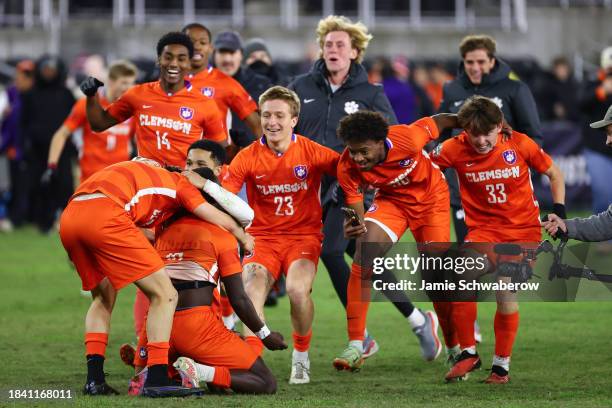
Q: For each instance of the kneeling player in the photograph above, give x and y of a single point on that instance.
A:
(500, 206)
(283, 173)
(109, 252)
(197, 254)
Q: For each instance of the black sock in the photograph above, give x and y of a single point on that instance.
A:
(95, 368)
(501, 371)
(157, 376)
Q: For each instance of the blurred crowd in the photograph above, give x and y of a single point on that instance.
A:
(36, 96)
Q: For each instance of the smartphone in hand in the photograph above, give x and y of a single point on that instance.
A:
(351, 214)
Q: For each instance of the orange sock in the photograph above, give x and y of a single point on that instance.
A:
(357, 302)
(506, 326)
(141, 307)
(302, 343)
(157, 353)
(95, 343)
(226, 307)
(444, 311)
(255, 343)
(463, 318)
(222, 377)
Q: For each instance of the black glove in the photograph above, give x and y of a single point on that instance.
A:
(48, 176)
(240, 138)
(90, 86)
(559, 210)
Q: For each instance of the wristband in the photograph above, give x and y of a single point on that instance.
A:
(263, 332)
(559, 209)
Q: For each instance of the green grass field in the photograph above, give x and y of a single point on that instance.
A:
(562, 352)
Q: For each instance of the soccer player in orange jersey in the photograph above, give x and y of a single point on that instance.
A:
(170, 114)
(228, 93)
(109, 252)
(411, 193)
(282, 172)
(99, 149)
(500, 206)
(198, 255)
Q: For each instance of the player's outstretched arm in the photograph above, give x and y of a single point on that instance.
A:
(246, 312)
(230, 202)
(98, 118)
(446, 121)
(209, 213)
(557, 189)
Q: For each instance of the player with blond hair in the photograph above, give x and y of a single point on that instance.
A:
(282, 172)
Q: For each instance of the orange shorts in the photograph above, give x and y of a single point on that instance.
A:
(102, 241)
(484, 241)
(276, 253)
(430, 225)
(199, 333)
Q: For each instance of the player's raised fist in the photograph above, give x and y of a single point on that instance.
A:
(90, 86)
(274, 341)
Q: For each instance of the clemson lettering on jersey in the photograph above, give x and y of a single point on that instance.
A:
(477, 177)
(281, 188)
(167, 123)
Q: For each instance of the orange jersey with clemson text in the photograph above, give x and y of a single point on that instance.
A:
(407, 176)
(99, 149)
(167, 124)
(283, 189)
(191, 240)
(496, 189)
(148, 194)
(225, 91)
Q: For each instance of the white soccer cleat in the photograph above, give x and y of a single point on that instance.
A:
(300, 372)
(187, 370)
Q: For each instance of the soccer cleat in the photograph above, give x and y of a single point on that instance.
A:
(136, 383)
(477, 333)
(300, 372)
(351, 359)
(167, 391)
(495, 378)
(127, 353)
(465, 364)
(94, 389)
(370, 346)
(499, 375)
(187, 370)
(427, 333)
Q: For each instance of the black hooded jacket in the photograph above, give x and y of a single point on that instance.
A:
(322, 109)
(46, 105)
(504, 88)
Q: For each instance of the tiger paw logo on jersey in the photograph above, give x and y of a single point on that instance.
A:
(373, 208)
(300, 171)
(208, 92)
(405, 162)
(509, 156)
(497, 100)
(351, 107)
(186, 112)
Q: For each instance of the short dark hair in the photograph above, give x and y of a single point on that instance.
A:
(479, 115)
(363, 126)
(197, 25)
(478, 42)
(175, 37)
(217, 152)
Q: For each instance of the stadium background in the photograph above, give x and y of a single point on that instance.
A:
(562, 357)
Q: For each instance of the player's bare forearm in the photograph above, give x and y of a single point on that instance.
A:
(241, 303)
(557, 183)
(98, 118)
(57, 144)
(446, 121)
(253, 121)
